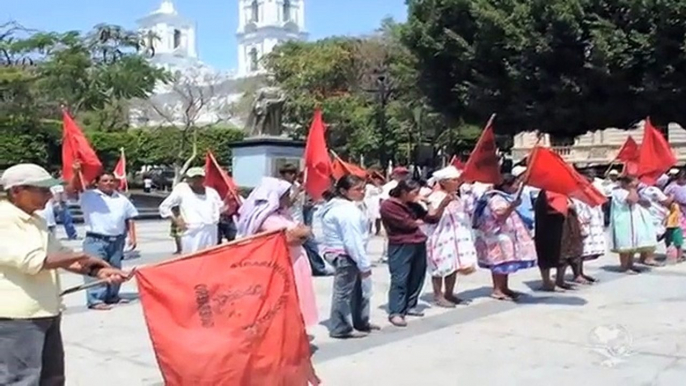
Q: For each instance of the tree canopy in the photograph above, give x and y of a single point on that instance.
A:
(94, 75)
(341, 76)
(558, 66)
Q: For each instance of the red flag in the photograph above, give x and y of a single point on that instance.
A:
(483, 164)
(340, 168)
(120, 172)
(228, 316)
(655, 157)
(75, 147)
(628, 154)
(548, 171)
(629, 151)
(317, 161)
(217, 179)
(457, 163)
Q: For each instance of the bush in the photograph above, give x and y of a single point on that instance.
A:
(41, 144)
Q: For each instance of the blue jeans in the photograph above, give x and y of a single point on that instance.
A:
(112, 251)
(407, 263)
(64, 216)
(348, 303)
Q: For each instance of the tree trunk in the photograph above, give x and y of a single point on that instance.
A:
(180, 170)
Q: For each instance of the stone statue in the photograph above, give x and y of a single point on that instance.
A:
(266, 113)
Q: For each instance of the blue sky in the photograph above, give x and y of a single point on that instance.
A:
(216, 19)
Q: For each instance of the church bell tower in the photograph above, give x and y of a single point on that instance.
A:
(263, 24)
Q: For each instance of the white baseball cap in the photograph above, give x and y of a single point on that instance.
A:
(613, 172)
(518, 170)
(195, 172)
(28, 175)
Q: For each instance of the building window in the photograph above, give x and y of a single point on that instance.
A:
(255, 11)
(177, 38)
(253, 59)
(286, 10)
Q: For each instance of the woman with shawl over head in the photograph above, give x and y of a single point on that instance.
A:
(403, 218)
(345, 236)
(560, 244)
(450, 247)
(631, 223)
(503, 240)
(267, 209)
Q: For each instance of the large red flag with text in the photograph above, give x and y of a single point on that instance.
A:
(219, 180)
(340, 168)
(548, 171)
(75, 147)
(317, 160)
(628, 154)
(228, 316)
(655, 157)
(120, 172)
(483, 164)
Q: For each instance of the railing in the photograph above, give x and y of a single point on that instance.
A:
(564, 151)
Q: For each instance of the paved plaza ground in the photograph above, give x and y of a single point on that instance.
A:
(626, 330)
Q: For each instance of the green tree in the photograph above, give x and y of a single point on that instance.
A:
(559, 66)
(93, 75)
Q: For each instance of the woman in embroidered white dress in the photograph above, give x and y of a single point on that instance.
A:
(450, 246)
(592, 220)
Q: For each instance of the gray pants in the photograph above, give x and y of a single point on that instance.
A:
(31, 352)
(348, 303)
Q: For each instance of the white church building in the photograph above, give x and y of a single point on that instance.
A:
(199, 94)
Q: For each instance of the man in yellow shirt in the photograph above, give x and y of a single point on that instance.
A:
(31, 351)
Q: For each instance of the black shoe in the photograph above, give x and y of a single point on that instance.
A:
(351, 335)
(369, 328)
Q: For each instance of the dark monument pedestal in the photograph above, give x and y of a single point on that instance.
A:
(257, 157)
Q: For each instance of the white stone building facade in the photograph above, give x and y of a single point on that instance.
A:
(598, 147)
(211, 94)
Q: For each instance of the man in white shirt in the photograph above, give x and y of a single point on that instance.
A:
(108, 216)
(48, 214)
(199, 211)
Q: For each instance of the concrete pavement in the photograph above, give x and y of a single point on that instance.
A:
(626, 330)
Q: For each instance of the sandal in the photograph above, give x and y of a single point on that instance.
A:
(455, 300)
(513, 294)
(501, 297)
(443, 303)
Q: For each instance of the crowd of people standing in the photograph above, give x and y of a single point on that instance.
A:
(442, 229)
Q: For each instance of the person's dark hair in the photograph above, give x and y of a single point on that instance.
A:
(681, 175)
(288, 169)
(508, 180)
(345, 183)
(404, 186)
(101, 175)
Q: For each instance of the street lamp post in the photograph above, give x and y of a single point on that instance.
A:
(384, 90)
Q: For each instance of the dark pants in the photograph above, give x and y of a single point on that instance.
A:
(348, 304)
(407, 263)
(308, 215)
(316, 262)
(110, 249)
(226, 230)
(31, 352)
